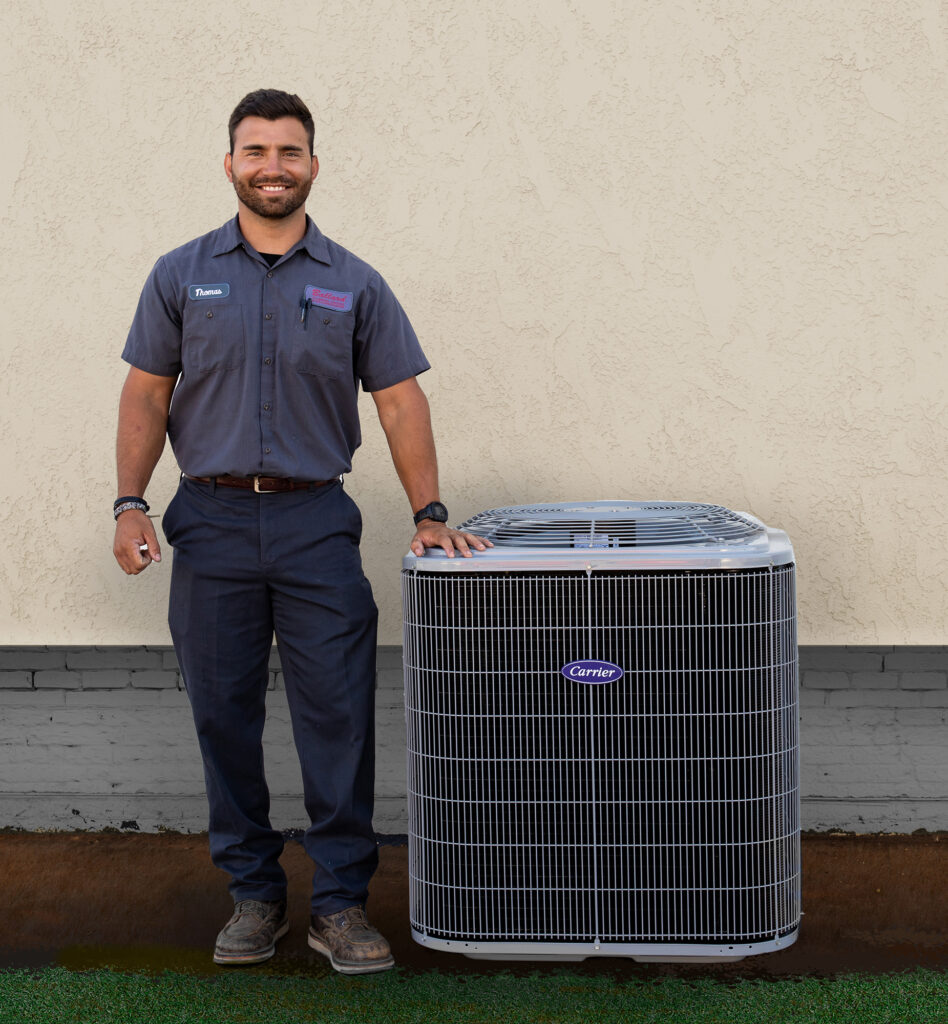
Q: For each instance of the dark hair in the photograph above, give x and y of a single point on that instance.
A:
(271, 104)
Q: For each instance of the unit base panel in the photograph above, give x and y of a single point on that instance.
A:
(645, 952)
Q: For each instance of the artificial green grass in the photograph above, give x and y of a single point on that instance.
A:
(396, 997)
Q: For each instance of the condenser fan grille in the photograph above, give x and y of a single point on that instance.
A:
(614, 525)
(662, 807)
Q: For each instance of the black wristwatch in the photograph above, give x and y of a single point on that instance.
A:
(435, 510)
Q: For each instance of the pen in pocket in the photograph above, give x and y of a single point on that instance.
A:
(305, 304)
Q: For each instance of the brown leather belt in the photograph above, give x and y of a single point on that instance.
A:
(261, 484)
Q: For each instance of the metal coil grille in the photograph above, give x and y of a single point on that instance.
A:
(659, 808)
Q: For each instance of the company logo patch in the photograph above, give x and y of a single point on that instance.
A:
(595, 672)
(328, 299)
(208, 291)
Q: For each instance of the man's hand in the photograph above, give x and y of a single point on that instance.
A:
(439, 535)
(136, 544)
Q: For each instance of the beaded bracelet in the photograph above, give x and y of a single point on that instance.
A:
(130, 497)
(129, 503)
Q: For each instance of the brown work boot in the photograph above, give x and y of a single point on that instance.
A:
(351, 943)
(250, 936)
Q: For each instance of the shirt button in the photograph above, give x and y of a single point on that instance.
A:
(210, 315)
(326, 320)
(266, 451)
(269, 274)
(269, 316)
(266, 405)
(268, 361)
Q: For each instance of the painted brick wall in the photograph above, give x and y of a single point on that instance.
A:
(874, 738)
(102, 737)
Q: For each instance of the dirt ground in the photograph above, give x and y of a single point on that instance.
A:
(155, 902)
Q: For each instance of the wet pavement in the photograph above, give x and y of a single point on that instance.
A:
(155, 902)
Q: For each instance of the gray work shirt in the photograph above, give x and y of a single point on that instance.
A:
(270, 359)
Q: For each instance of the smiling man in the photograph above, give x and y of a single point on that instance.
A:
(261, 332)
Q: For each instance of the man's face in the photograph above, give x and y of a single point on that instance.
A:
(270, 168)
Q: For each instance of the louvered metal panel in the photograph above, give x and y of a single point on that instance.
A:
(653, 816)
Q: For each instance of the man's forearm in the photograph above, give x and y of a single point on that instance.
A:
(143, 422)
(406, 420)
(407, 427)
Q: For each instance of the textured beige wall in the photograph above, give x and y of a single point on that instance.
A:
(679, 250)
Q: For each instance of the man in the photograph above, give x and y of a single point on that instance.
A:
(262, 331)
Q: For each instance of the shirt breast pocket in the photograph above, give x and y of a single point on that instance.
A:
(322, 346)
(212, 337)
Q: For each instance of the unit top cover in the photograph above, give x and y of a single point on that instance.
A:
(613, 524)
(670, 532)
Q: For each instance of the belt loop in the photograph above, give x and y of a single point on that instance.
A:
(213, 482)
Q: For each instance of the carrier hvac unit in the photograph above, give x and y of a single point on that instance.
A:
(602, 736)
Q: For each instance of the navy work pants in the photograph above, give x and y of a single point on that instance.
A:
(247, 565)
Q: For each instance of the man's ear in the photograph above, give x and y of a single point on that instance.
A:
(315, 168)
(227, 167)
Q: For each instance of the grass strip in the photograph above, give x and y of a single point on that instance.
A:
(108, 997)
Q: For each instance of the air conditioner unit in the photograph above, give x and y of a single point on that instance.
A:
(602, 736)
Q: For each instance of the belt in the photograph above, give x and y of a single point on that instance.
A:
(262, 484)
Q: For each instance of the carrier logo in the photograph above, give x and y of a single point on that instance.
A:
(592, 671)
(208, 291)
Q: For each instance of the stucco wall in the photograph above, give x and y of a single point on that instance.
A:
(669, 250)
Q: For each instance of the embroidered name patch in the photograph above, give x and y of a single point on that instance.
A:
(328, 299)
(208, 291)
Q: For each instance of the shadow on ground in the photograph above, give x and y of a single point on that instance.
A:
(154, 902)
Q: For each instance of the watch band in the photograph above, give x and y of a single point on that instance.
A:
(433, 510)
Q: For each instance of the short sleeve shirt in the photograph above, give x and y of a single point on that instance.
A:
(269, 359)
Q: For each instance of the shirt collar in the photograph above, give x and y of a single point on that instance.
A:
(313, 241)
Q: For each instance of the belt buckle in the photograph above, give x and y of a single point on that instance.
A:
(256, 487)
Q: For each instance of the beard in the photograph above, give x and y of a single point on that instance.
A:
(274, 206)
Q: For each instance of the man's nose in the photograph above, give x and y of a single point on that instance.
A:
(274, 164)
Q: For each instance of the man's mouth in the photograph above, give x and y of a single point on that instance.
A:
(272, 187)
